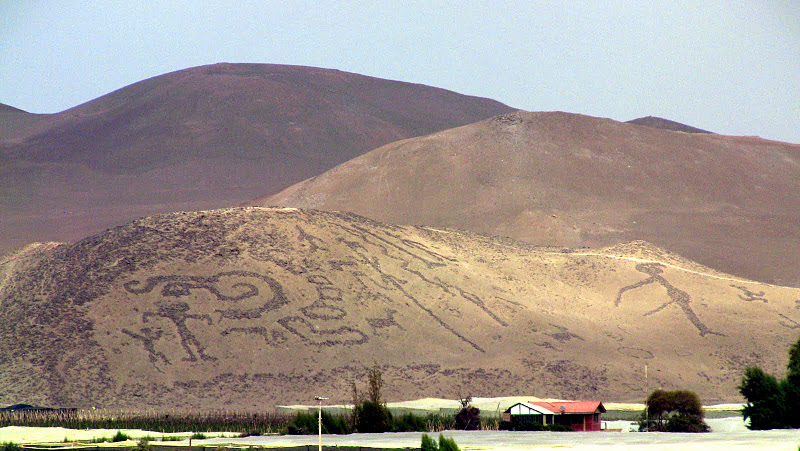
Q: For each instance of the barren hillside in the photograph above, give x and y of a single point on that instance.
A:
(209, 136)
(572, 180)
(252, 307)
(666, 124)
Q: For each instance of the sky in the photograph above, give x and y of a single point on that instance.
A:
(732, 67)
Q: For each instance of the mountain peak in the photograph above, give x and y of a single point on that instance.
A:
(666, 124)
(10, 109)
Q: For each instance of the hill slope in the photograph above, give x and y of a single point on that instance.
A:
(571, 180)
(244, 308)
(666, 124)
(209, 136)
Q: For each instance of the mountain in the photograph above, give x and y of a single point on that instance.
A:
(6, 109)
(204, 137)
(572, 180)
(666, 124)
(250, 307)
(15, 123)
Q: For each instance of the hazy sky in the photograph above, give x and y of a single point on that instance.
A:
(732, 67)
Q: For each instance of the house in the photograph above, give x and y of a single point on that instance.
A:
(580, 415)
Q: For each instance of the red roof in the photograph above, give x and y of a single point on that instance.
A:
(584, 407)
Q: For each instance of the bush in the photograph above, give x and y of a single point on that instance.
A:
(308, 424)
(674, 411)
(428, 444)
(252, 433)
(468, 419)
(447, 444)
(370, 414)
(199, 436)
(144, 445)
(10, 446)
(409, 423)
(686, 423)
(120, 437)
(372, 417)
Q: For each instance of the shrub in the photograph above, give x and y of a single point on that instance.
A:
(439, 422)
(428, 444)
(249, 433)
(370, 414)
(144, 445)
(468, 419)
(10, 446)
(674, 411)
(308, 424)
(686, 423)
(447, 444)
(120, 437)
(372, 417)
(409, 423)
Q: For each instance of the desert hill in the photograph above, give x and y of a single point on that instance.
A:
(16, 123)
(666, 124)
(209, 136)
(562, 179)
(250, 307)
(6, 109)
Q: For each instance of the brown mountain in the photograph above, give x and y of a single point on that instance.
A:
(564, 179)
(203, 137)
(666, 124)
(8, 109)
(250, 307)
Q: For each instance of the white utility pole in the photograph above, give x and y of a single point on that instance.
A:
(320, 399)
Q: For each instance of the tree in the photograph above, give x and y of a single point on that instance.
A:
(765, 399)
(447, 444)
(791, 387)
(370, 414)
(428, 444)
(675, 411)
(469, 417)
(773, 403)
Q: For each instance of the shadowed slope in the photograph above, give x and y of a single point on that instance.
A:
(246, 308)
(209, 136)
(6, 109)
(571, 180)
(666, 124)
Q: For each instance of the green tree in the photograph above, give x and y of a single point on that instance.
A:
(675, 411)
(791, 387)
(370, 414)
(765, 399)
(773, 403)
(428, 444)
(447, 444)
